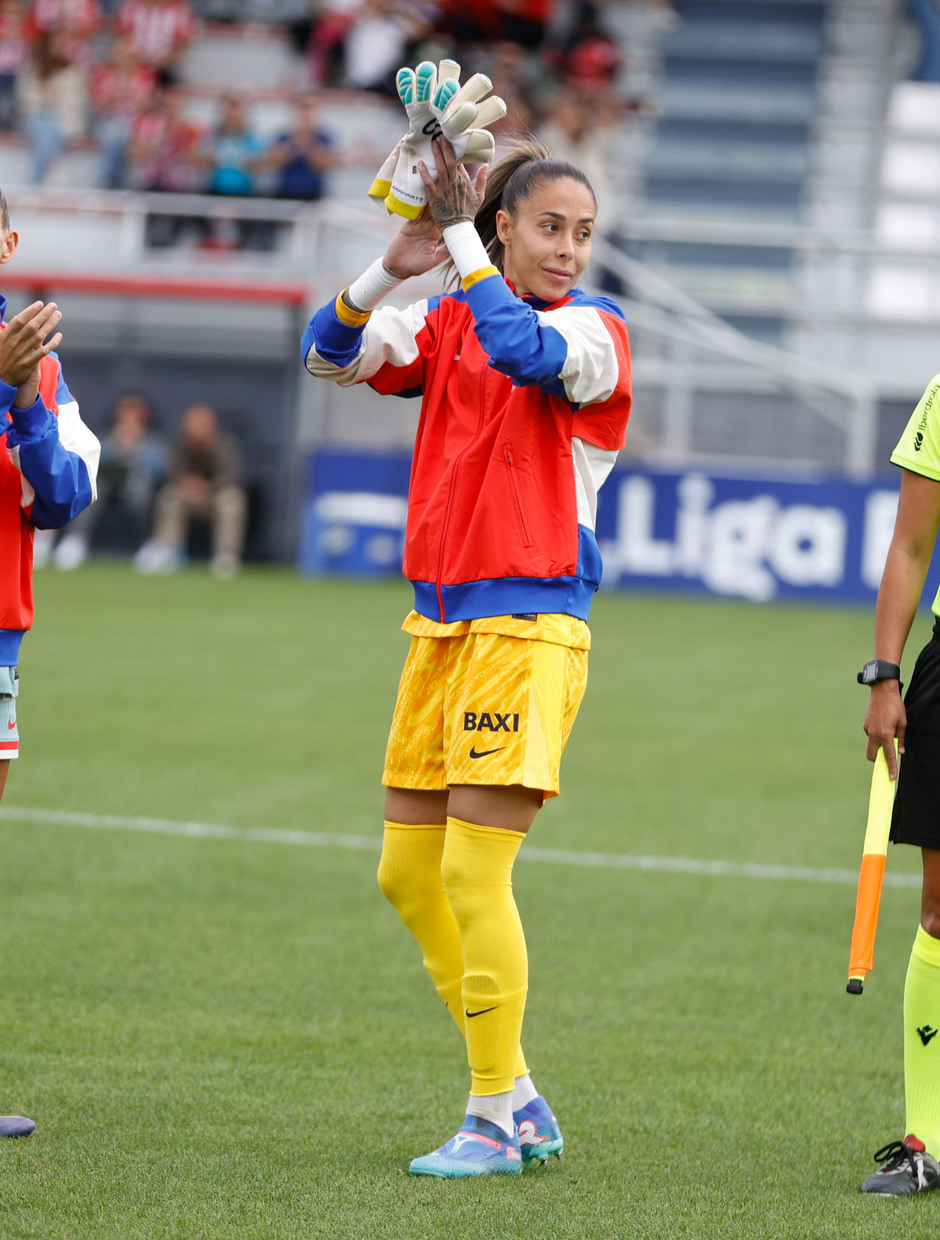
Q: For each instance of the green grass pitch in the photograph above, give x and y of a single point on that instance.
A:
(231, 1036)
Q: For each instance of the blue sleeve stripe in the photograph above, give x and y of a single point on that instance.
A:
(522, 347)
(519, 345)
(334, 341)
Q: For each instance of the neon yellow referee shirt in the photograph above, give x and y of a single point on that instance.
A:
(919, 446)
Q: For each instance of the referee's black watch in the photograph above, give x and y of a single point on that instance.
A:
(877, 670)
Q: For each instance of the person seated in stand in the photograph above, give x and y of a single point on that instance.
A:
(301, 157)
(231, 155)
(133, 467)
(54, 88)
(160, 31)
(231, 151)
(204, 482)
(378, 40)
(122, 88)
(163, 156)
(14, 54)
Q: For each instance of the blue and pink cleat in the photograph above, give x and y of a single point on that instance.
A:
(479, 1148)
(539, 1134)
(482, 1148)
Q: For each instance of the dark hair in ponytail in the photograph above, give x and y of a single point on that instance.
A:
(513, 179)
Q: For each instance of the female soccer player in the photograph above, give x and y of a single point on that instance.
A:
(911, 1166)
(525, 386)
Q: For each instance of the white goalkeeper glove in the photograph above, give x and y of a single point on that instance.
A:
(436, 104)
(382, 185)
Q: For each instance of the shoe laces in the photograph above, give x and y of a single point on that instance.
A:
(894, 1154)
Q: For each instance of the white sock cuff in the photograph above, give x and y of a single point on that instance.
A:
(497, 1108)
(523, 1092)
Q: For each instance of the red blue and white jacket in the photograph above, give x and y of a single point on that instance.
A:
(48, 468)
(524, 408)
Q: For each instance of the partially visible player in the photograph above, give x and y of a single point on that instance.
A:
(48, 464)
(526, 391)
(911, 1165)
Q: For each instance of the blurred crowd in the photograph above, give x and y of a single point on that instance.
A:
(111, 73)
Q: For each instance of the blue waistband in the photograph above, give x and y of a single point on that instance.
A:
(504, 596)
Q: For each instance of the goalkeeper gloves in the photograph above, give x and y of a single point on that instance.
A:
(435, 104)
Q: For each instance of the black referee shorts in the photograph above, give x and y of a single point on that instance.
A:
(916, 816)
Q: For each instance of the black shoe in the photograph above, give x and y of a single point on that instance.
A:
(907, 1168)
(16, 1126)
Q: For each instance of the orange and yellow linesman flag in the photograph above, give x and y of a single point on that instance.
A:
(872, 873)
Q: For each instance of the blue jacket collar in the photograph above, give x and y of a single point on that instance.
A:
(3, 307)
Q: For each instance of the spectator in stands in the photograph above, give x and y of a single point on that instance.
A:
(379, 42)
(55, 80)
(164, 149)
(332, 20)
(232, 156)
(160, 31)
(302, 156)
(204, 482)
(133, 466)
(484, 22)
(231, 153)
(580, 129)
(588, 57)
(513, 73)
(122, 88)
(14, 54)
(163, 156)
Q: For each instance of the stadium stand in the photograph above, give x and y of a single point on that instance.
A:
(737, 102)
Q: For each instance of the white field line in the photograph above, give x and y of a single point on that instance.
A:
(553, 856)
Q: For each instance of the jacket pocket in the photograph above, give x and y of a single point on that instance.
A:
(517, 497)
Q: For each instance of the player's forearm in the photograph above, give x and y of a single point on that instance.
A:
(898, 599)
(334, 334)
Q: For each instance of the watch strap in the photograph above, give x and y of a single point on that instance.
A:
(878, 669)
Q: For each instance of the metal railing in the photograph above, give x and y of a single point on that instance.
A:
(681, 346)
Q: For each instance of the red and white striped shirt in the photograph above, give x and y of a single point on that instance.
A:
(158, 29)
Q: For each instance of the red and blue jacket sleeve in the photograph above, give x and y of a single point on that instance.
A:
(385, 348)
(53, 449)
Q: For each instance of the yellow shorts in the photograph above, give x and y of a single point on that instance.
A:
(487, 702)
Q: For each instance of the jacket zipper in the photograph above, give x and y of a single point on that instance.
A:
(518, 498)
(450, 502)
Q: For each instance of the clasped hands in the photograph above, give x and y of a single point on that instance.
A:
(23, 345)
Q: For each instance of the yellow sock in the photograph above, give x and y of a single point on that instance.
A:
(477, 869)
(410, 877)
(922, 1041)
